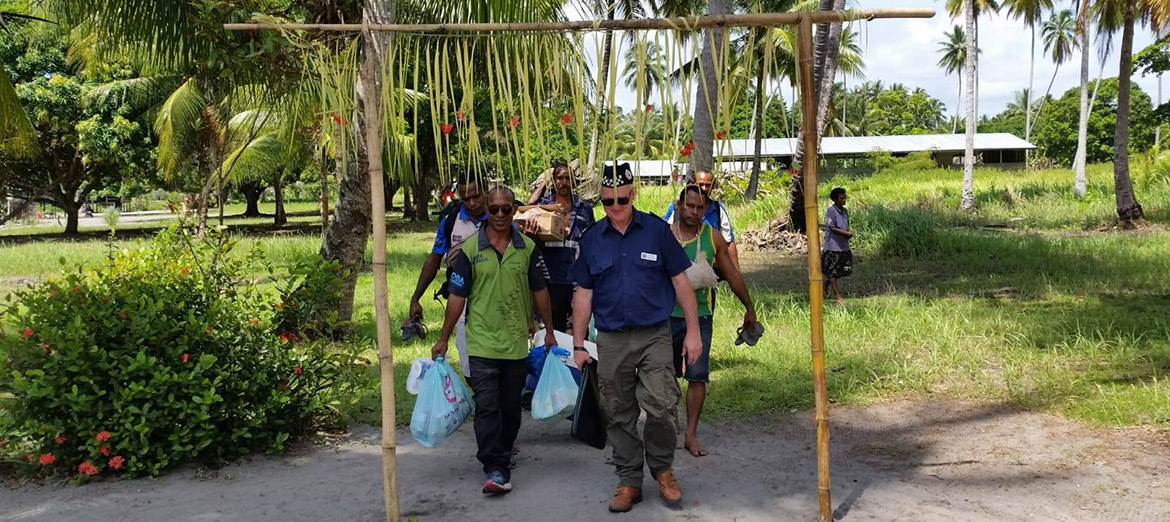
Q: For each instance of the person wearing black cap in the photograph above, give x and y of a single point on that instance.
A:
(629, 274)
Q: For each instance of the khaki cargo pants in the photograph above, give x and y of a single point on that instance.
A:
(635, 370)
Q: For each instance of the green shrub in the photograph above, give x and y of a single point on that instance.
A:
(308, 298)
(161, 355)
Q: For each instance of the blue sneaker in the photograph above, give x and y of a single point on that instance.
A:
(497, 483)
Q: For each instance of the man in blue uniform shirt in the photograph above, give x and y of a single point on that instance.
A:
(629, 274)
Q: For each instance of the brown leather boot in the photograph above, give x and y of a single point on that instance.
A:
(625, 498)
(668, 487)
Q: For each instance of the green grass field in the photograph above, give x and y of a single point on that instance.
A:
(1033, 300)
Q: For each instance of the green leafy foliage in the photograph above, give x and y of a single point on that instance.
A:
(161, 355)
(1056, 132)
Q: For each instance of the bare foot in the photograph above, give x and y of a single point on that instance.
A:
(692, 445)
(840, 300)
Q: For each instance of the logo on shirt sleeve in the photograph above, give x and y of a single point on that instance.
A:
(457, 280)
(647, 256)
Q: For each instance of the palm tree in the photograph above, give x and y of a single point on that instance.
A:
(1059, 38)
(1082, 28)
(968, 199)
(954, 58)
(1031, 12)
(627, 9)
(650, 75)
(955, 9)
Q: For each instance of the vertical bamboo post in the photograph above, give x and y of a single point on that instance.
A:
(371, 67)
(816, 288)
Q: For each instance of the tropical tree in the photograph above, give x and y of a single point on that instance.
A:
(953, 49)
(644, 67)
(1030, 12)
(627, 10)
(80, 146)
(970, 9)
(1059, 36)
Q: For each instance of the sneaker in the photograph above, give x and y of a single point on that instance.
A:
(497, 483)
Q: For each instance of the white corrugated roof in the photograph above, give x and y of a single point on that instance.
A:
(892, 144)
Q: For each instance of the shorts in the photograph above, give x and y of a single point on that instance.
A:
(698, 372)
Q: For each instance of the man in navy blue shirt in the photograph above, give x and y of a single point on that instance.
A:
(559, 255)
(629, 274)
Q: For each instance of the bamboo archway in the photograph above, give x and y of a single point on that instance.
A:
(374, 139)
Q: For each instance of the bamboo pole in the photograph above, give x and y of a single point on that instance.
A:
(679, 23)
(816, 288)
(371, 68)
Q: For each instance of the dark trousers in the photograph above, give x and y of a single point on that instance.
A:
(496, 384)
(562, 306)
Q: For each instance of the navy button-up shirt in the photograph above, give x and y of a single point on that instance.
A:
(630, 274)
(559, 255)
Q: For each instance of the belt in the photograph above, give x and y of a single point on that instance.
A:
(568, 243)
(630, 329)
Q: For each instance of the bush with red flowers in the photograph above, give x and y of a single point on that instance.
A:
(160, 355)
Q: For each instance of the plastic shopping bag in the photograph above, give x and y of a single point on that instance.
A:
(556, 391)
(444, 402)
(588, 417)
(418, 370)
(536, 363)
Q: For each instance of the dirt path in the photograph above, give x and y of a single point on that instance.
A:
(906, 461)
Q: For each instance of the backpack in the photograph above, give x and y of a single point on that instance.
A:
(448, 216)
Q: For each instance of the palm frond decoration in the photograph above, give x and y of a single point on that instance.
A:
(18, 138)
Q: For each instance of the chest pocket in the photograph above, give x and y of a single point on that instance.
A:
(599, 265)
(648, 260)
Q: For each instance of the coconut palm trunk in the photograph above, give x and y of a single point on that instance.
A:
(958, 106)
(757, 123)
(707, 94)
(1083, 124)
(606, 56)
(323, 170)
(968, 200)
(1028, 95)
(1128, 208)
(825, 46)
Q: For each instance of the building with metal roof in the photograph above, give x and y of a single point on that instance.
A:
(850, 154)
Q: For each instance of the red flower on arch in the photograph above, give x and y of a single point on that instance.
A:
(720, 135)
(567, 119)
(446, 128)
(513, 122)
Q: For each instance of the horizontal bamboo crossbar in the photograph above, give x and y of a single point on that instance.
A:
(680, 23)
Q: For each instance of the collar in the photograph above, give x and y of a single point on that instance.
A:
(638, 220)
(484, 243)
(467, 217)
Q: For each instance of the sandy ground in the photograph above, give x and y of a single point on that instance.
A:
(905, 461)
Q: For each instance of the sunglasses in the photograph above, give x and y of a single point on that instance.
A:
(505, 210)
(608, 202)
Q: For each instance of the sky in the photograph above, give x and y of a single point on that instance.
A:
(906, 51)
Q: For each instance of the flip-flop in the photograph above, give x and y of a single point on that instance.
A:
(751, 336)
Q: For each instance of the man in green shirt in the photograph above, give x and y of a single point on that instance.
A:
(703, 245)
(497, 274)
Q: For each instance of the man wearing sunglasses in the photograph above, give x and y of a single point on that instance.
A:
(629, 274)
(458, 223)
(498, 273)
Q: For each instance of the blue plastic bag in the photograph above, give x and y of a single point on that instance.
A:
(536, 363)
(556, 391)
(444, 402)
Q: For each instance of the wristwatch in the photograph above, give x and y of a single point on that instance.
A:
(579, 349)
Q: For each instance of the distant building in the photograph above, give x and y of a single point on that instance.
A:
(850, 154)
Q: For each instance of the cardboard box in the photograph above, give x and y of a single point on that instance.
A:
(550, 222)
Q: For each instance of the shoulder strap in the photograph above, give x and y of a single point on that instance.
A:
(450, 213)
